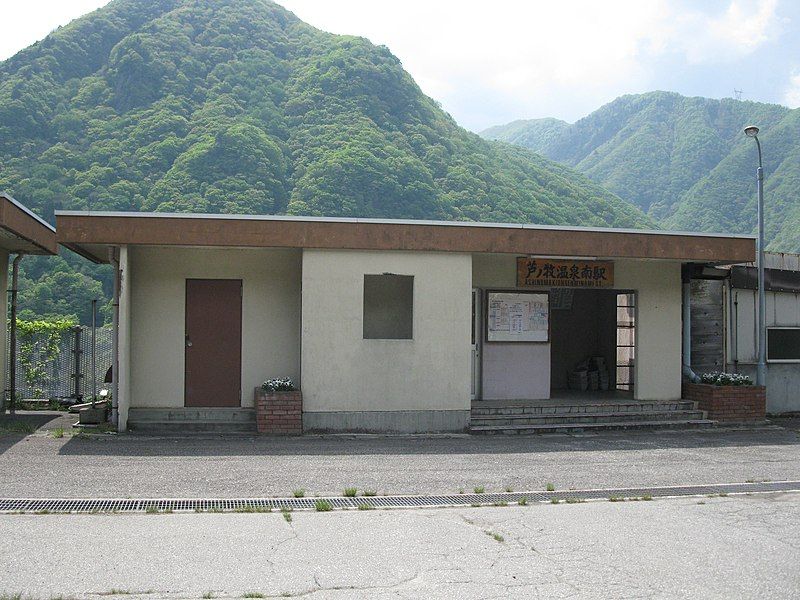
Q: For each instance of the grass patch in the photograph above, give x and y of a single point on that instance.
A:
(151, 510)
(550, 487)
(287, 516)
(323, 506)
(208, 595)
(116, 592)
(574, 501)
(522, 501)
(554, 501)
(475, 505)
(350, 492)
(501, 503)
(370, 493)
(616, 499)
(299, 493)
(479, 489)
(509, 489)
(253, 595)
(365, 507)
(9, 427)
(647, 497)
(58, 432)
(42, 512)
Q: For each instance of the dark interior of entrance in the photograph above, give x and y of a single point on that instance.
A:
(592, 342)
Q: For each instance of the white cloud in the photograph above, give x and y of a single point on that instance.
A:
(791, 96)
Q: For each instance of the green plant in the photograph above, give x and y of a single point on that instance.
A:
(16, 427)
(151, 510)
(616, 499)
(500, 503)
(554, 500)
(479, 489)
(496, 536)
(208, 595)
(39, 344)
(574, 501)
(350, 492)
(522, 501)
(287, 516)
(323, 505)
(300, 493)
(58, 432)
(365, 507)
(551, 487)
(647, 497)
(253, 595)
(370, 493)
(509, 489)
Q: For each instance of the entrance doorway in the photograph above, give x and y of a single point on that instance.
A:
(591, 343)
(213, 343)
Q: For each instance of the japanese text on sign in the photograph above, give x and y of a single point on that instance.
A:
(535, 272)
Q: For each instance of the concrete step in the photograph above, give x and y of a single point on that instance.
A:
(480, 408)
(578, 427)
(606, 417)
(192, 426)
(192, 420)
(234, 415)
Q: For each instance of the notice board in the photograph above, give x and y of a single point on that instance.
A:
(517, 317)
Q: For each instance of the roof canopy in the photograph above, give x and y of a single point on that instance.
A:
(23, 231)
(90, 234)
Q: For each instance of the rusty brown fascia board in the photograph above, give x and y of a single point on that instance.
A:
(156, 229)
(27, 225)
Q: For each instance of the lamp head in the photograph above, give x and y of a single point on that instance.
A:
(751, 131)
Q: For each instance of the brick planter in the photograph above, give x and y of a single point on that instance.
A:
(729, 403)
(279, 413)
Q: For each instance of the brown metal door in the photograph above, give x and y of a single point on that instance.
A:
(213, 342)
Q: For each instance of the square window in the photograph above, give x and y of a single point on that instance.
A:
(783, 344)
(388, 307)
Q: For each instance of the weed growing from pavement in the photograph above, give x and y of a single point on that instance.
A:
(647, 497)
(522, 501)
(116, 592)
(253, 595)
(58, 432)
(208, 595)
(496, 536)
(151, 510)
(370, 493)
(616, 499)
(323, 506)
(509, 489)
(350, 492)
(287, 516)
(475, 505)
(365, 507)
(551, 487)
(554, 500)
(300, 493)
(574, 501)
(479, 489)
(501, 503)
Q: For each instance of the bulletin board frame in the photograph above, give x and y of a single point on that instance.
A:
(490, 337)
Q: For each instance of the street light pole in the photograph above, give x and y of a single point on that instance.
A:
(761, 370)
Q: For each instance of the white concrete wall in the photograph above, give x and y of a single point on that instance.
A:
(659, 325)
(658, 319)
(344, 372)
(270, 316)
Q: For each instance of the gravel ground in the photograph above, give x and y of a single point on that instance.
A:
(118, 466)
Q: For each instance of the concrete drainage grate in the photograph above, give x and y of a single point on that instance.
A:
(88, 505)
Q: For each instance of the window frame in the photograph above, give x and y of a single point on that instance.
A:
(364, 308)
(781, 360)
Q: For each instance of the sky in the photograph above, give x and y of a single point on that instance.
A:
(489, 63)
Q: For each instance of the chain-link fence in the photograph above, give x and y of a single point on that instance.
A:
(45, 372)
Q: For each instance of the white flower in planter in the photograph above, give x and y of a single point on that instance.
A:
(278, 384)
(719, 378)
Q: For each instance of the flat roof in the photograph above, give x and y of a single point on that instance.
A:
(22, 230)
(90, 233)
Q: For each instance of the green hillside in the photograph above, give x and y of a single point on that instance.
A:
(682, 160)
(237, 106)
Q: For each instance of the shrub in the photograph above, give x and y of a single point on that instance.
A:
(719, 378)
(278, 384)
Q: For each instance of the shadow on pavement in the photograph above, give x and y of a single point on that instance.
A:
(15, 428)
(217, 445)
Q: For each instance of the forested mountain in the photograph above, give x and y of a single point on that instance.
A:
(682, 160)
(237, 106)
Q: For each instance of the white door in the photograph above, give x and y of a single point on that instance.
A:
(476, 344)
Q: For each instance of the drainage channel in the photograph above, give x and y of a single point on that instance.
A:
(96, 505)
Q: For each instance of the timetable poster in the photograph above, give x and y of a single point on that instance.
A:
(517, 317)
